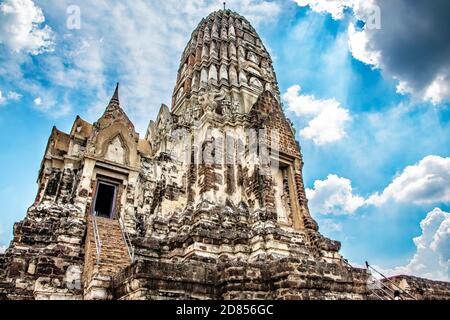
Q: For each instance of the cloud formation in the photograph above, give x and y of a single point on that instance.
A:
(14, 96)
(22, 27)
(329, 225)
(333, 196)
(359, 45)
(329, 117)
(10, 96)
(2, 99)
(335, 8)
(432, 257)
(411, 45)
(427, 182)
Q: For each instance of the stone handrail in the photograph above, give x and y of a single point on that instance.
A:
(369, 267)
(98, 241)
(126, 239)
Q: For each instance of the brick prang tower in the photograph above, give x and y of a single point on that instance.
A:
(210, 204)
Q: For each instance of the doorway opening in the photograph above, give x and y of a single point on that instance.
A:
(105, 199)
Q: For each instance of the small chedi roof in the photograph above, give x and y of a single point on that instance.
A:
(115, 96)
(114, 112)
(114, 103)
(224, 54)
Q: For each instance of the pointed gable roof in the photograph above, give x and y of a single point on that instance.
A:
(114, 113)
(113, 124)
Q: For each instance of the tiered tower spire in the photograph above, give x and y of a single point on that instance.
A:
(225, 54)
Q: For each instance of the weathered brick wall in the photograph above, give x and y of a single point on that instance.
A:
(291, 279)
(283, 279)
(46, 256)
(267, 114)
(157, 280)
(260, 187)
(57, 185)
(4, 284)
(209, 179)
(422, 289)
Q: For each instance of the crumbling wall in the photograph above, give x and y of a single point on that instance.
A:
(45, 258)
(421, 289)
(288, 279)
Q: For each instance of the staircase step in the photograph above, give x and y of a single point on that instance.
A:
(114, 251)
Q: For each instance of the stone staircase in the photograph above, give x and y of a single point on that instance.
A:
(377, 292)
(382, 288)
(385, 291)
(101, 266)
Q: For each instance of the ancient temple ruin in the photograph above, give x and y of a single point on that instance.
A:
(210, 204)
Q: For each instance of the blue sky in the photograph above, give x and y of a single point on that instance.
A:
(370, 105)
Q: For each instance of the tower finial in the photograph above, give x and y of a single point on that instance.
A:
(116, 93)
(224, 6)
(114, 102)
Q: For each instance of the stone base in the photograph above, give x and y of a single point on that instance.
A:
(47, 289)
(286, 279)
(98, 288)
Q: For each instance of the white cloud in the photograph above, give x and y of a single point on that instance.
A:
(334, 7)
(435, 92)
(38, 101)
(333, 196)
(358, 40)
(10, 96)
(337, 8)
(359, 45)
(427, 182)
(439, 90)
(327, 127)
(329, 225)
(329, 118)
(22, 27)
(403, 88)
(432, 257)
(50, 105)
(2, 99)
(14, 96)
